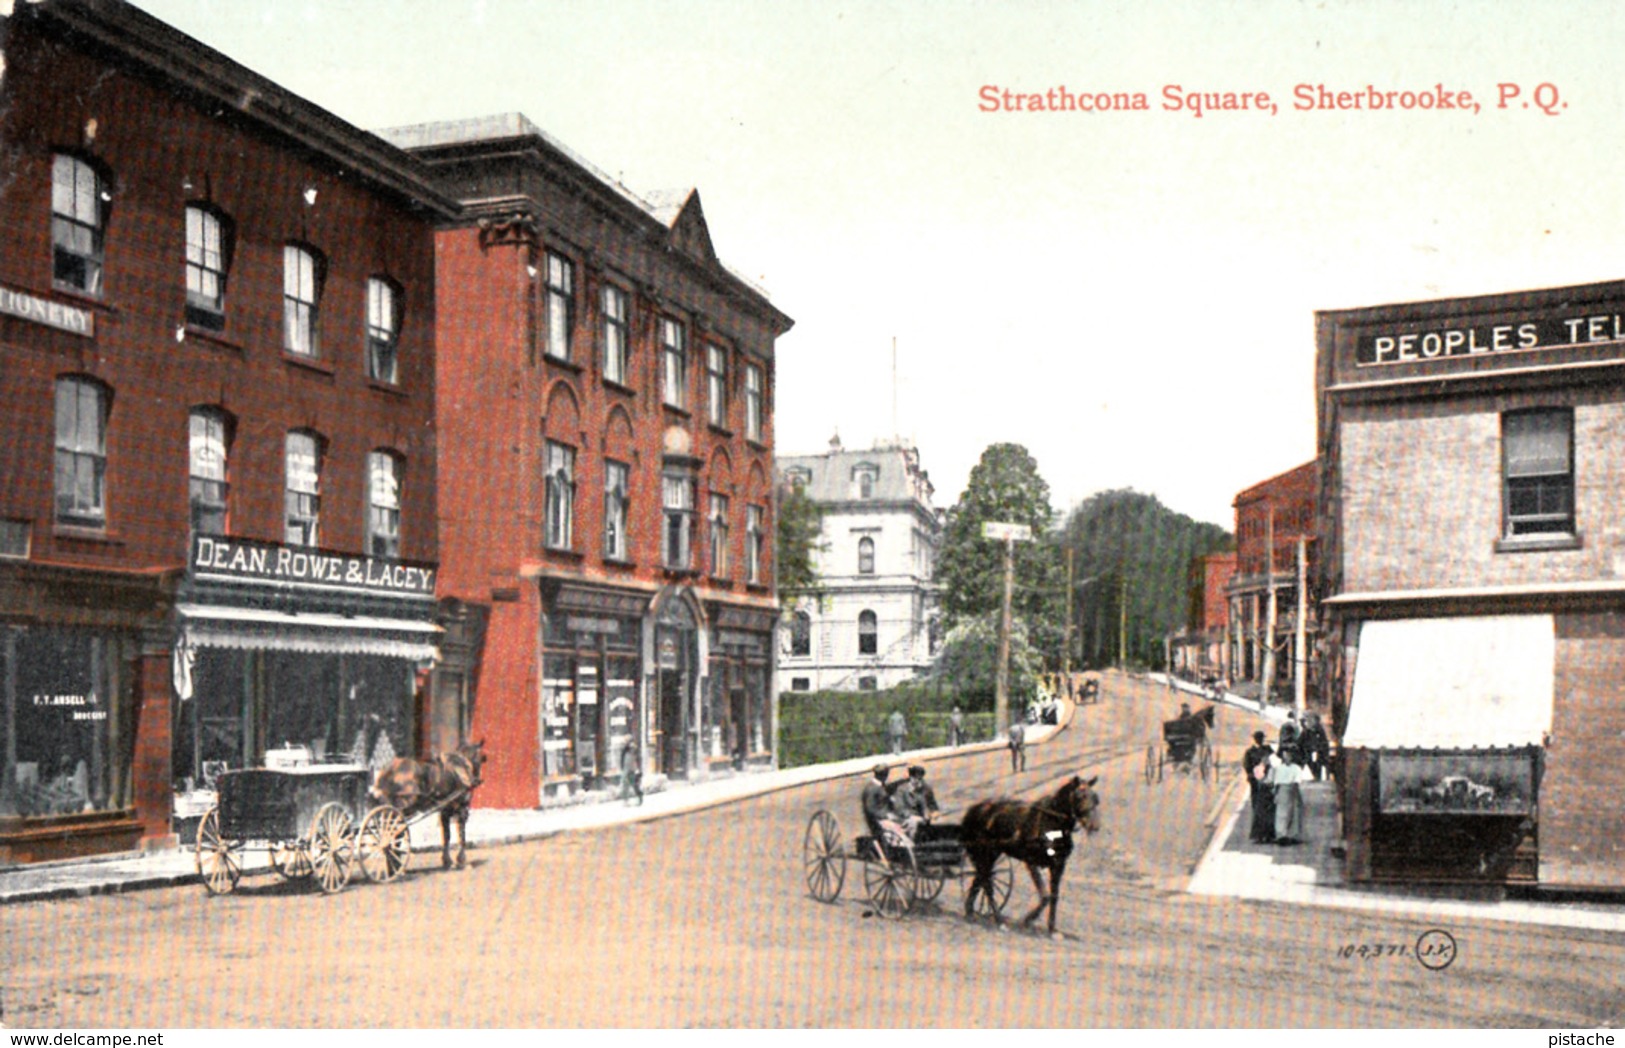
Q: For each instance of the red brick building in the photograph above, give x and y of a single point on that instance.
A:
(606, 413)
(217, 527)
(1199, 651)
(1272, 518)
(1472, 460)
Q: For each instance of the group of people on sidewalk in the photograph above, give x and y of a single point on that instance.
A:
(1275, 775)
(897, 730)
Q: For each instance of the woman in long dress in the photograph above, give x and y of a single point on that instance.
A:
(1285, 776)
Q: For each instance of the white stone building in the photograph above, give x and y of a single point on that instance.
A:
(873, 622)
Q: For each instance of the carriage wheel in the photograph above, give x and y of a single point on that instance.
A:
(1150, 763)
(217, 861)
(990, 906)
(822, 857)
(332, 847)
(291, 860)
(890, 888)
(927, 885)
(1205, 762)
(383, 844)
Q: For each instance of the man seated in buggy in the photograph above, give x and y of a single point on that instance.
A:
(886, 824)
(1191, 725)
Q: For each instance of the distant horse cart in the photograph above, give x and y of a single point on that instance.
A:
(323, 821)
(1185, 747)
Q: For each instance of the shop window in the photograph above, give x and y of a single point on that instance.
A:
(616, 502)
(1538, 473)
(868, 633)
(673, 364)
(302, 493)
(753, 402)
(16, 538)
(303, 272)
(65, 700)
(561, 305)
(209, 442)
(801, 634)
(560, 496)
(677, 500)
(208, 261)
(383, 330)
(79, 199)
(615, 335)
(383, 504)
(866, 556)
(719, 536)
(754, 538)
(716, 386)
(81, 452)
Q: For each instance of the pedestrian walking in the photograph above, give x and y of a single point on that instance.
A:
(1285, 777)
(631, 773)
(1256, 763)
(896, 731)
(1315, 746)
(956, 728)
(1018, 746)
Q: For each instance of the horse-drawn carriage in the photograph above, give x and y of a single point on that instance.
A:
(1185, 747)
(896, 878)
(322, 821)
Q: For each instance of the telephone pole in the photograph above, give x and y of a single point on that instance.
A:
(1122, 623)
(1010, 534)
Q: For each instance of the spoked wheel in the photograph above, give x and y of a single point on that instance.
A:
(927, 886)
(890, 888)
(1204, 762)
(291, 860)
(1150, 763)
(383, 844)
(332, 847)
(217, 858)
(823, 859)
(990, 905)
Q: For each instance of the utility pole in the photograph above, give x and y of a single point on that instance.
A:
(1066, 639)
(1269, 607)
(1300, 636)
(1010, 534)
(1122, 623)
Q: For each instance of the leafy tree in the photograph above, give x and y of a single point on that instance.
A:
(1005, 485)
(798, 537)
(1132, 559)
(970, 659)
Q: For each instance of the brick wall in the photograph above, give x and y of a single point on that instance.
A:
(1582, 824)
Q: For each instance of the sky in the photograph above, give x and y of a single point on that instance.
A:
(1129, 294)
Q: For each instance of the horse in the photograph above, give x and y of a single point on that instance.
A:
(1038, 834)
(447, 783)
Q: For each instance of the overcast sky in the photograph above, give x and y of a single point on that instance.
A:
(1131, 295)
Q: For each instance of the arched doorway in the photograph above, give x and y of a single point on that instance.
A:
(676, 660)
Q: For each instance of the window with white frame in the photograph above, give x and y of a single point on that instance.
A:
(561, 305)
(302, 272)
(558, 531)
(383, 329)
(868, 633)
(615, 335)
(801, 634)
(677, 501)
(754, 539)
(716, 386)
(208, 238)
(863, 480)
(866, 556)
(79, 197)
(383, 504)
(209, 438)
(1538, 471)
(616, 500)
(673, 364)
(719, 535)
(753, 402)
(81, 452)
(302, 471)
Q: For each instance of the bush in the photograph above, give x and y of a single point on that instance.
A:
(816, 727)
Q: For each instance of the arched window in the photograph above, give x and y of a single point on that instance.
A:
(303, 271)
(384, 504)
(801, 634)
(81, 452)
(559, 525)
(303, 488)
(868, 629)
(79, 197)
(209, 440)
(208, 263)
(866, 556)
(383, 329)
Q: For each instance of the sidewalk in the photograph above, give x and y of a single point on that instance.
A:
(487, 827)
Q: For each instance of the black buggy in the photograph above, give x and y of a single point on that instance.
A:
(896, 879)
(1185, 747)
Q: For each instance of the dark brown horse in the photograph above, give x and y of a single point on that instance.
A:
(447, 783)
(1038, 833)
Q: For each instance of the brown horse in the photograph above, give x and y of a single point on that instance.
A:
(445, 783)
(1036, 833)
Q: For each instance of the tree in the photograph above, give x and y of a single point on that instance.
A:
(970, 659)
(798, 538)
(1005, 485)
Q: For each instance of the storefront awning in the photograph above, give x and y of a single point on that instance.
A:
(206, 626)
(1453, 683)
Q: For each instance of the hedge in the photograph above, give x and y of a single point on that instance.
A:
(816, 727)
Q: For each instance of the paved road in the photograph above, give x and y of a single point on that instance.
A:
(704, 920)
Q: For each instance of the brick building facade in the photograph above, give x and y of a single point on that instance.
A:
(1200, 651)
(606, 413)
(217, 528)
(1472, 457)
(1272, 517)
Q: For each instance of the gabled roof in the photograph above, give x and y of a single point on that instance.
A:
(680, 210)
(898, 477)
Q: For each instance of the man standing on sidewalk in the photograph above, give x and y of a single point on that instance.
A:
(896, 731)
(1018, 745)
